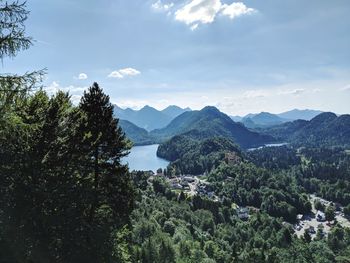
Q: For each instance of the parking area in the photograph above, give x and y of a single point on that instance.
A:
(311, 223)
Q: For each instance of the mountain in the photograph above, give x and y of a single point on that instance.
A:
(137, 135)
(262, 119)
(325, 129)
(236, 118)
(299, 114)
(173, 111)
(210, 122)
(148, 118)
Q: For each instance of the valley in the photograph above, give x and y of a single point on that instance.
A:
(100, 164)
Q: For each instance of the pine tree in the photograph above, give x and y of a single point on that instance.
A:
(12, 40)
(105, 190)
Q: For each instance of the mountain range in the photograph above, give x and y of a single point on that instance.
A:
(254, 129)
(266, 119)
(148, 117)
(210, 122)
(206, 123)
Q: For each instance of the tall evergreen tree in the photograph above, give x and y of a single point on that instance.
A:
(105, 190)
(12, 40)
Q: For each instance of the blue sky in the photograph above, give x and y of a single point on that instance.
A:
(250, 56)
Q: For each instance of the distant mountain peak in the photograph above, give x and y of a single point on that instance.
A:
(295, 114)
(325, 116)
(209, 122)
(210, 108)
(148, 117)
(172, 107)
(147, 107)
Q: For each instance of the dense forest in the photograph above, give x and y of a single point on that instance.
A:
(66, 197)
(326, 129)
(175, 228)
(195, 156)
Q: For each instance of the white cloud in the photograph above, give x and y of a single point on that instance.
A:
(52, 88)
(159, 6)
(115, 74)
(75, 91)
(82, 76)
(346, 88)
(254, 94)
(292, 92)
(198, 11)
(121, 73)
(129, 72)
(194, 27)
(205, 11)
(236, 9)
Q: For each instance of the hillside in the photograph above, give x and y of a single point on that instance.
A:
(325, 129)
(210, 122)
(266, 119)
(262, 119)
(299, 114)
(191, 156)
(173, 111)
(137, 135)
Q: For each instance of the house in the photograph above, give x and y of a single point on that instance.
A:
(300, 217)
(320, 216)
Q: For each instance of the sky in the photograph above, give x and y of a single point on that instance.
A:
(242, 57)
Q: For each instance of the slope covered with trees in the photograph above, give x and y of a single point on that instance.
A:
(174, 228)
(210, 122)
(326, 129)
(192, 156)
(136, 134)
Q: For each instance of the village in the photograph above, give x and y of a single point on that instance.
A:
(317, 220)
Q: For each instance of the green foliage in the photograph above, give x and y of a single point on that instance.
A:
(13, 39)
(319, 205)
(64, 191)
(330, 213)
(274, 158)
(137, 135)
(277, 193)
(199, 235)
(326, 129)
(347, 210)
(192, 156)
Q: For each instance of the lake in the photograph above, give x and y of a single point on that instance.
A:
(145, 158)
(269, 145)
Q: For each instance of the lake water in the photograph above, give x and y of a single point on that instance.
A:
(269, 145)
(145, 158)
